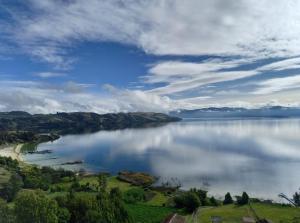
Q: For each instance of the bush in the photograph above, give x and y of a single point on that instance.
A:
(31, 206)
(188, 200)
(213, 201)
(134, 195)
(10, 189)
(228, 199)
(244, 199)
(202, 195)
(6, 215)
(63, 215)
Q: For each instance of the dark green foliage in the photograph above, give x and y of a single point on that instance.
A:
(134, 195)
(213, 201)
(79, 206)
(296, 198)
(31, 139)
(32, 206)
(10, 189)
(6, 214)
(34, 179)
(17, 137)
(228, 199)
(102, 181)
(244, 199)
(75, 185)
(105, 207)
(63, 215)
(9, 163)
(188, 200)
(121, 214)
(202, 195)
(76, 122)
(148, 214)
(42, 178)
(92, 216)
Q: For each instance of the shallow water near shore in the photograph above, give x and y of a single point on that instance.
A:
(261, 157)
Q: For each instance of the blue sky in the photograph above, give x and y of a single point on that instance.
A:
(150, 55)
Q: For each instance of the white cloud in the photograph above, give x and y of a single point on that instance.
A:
(184, 76)
(164, 27)
(290, 63)
(49, 74)
(278, 84)
(233, 29)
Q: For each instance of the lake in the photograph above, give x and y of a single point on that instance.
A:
(261, 157)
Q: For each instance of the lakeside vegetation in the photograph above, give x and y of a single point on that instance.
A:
(32, 194)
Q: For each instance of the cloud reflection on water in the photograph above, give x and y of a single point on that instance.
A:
(258, 156)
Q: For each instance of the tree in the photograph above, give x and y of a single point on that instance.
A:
(228, 199)
(213, 201)
(120, 213)
(63, 215)
(134, 195)
(188, 200)
(35, 206)
(80, 205)
(244, 199)
(192, 202)
(10, 189)
(102, 181)
(202, 194)
(296, 198)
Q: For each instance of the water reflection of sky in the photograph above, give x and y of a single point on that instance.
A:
(261, 157)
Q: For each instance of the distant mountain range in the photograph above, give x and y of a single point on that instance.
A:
(227, 112)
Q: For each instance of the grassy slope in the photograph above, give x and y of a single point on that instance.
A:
(153, 211)
(234, 214)
(148, 212)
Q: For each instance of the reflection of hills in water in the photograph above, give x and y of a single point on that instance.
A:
(258, 156)
(227, 112)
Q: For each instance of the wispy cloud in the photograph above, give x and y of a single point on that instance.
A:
(49, 30)
(162, 27)
(278, 84)
(284, 64)
(49, 74)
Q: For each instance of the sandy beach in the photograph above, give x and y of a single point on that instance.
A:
(13, 151)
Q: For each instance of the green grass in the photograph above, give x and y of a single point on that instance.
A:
(123, 186)
(148, 214)
(158, 200)
(29, 147)
(234, 214)
(111, 183)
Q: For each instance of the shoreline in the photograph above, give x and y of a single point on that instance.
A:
(13, 151)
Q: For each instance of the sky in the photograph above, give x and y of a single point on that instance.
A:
(148, 55)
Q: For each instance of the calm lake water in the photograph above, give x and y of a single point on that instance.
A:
(261, 157)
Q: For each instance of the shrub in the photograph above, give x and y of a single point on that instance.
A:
(202, 195)
(31, 206)
(244, 199)
(10, 189)
(213, 201)
(188, 200)
(134, 195)
(228, 199)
